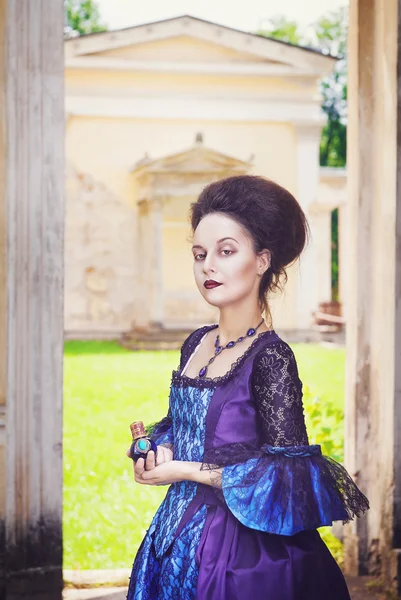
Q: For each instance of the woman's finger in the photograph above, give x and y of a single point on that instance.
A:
(150, 460)
(163, 455)
(139, 468)
(160, 455)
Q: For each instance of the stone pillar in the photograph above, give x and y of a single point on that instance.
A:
(31, 297)
(373, 380)
(321, 220)
(141, 315)
(343, 255)
(156, 263)
(308, 137)
(149, 312)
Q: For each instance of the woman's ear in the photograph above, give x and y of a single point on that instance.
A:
(264, 261)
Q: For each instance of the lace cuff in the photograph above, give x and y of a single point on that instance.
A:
(289, 489)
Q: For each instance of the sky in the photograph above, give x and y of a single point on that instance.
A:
(247, 15)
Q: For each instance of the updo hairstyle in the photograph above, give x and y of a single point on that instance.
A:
(271, 216)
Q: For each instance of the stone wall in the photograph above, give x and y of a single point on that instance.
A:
(99, 257)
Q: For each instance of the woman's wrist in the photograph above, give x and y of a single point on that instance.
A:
(191, 471)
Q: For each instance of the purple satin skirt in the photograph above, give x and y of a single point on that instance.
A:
(239, 563)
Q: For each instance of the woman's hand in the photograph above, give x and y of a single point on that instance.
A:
(163, 455)
(162, 474)
(165, 470)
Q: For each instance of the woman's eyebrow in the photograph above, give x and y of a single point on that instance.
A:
(218, 242)
(226, 238)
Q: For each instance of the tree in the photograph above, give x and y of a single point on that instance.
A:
(329, 35)
(82, 16)
(281, 28)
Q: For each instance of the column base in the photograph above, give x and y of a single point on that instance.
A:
(35, 584)
(395, 572)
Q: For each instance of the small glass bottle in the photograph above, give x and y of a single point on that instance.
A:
(141, 443)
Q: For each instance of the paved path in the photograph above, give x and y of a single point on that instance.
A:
(117, 580)
(96, 594)
(360, 590)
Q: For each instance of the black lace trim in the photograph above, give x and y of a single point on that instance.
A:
(210, 382)
(191, 342)
(229, 454)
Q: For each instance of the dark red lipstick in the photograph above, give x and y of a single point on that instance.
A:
(210, 283)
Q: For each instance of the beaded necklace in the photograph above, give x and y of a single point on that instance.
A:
(219, 349)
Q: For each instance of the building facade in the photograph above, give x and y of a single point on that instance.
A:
(154, 113)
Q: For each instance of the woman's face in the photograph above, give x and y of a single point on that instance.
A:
(223, 253)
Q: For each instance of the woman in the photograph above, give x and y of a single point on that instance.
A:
(247, 491)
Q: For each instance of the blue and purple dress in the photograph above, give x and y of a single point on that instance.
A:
(252, 534)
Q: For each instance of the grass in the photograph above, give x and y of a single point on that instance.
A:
(106, 388)
(322, 371)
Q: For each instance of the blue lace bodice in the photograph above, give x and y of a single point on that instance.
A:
(189, 407)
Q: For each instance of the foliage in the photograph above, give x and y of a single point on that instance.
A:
(323, 372)
(329, 35)
(283, 29)
(82, 17)
(325, 424)
(334, 544)
(106, 513)
(324, 413)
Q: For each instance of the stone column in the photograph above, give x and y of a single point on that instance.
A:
(320, 217)
(141, 312)
(373, 380)
(149, 312)
(343, 255)
(156, 263)
(31, 297)
(308, 137)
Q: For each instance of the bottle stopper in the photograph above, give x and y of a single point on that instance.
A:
(137, 429)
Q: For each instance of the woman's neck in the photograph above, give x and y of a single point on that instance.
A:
(235, 324)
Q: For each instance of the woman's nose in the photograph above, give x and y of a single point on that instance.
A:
(208, 266)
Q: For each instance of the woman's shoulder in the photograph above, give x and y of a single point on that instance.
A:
(273, 352)
(274, 346)
(274, 358)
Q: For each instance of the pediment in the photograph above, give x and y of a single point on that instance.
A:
(196, 160)
(187, 39)
(182, 48)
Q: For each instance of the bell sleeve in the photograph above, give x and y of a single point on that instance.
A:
(282, 484)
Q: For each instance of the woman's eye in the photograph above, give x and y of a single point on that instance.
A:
(199, 256)
(227, 252)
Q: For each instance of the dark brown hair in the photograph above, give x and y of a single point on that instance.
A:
(271, 216)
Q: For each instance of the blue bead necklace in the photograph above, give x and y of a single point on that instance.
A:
(219, 349)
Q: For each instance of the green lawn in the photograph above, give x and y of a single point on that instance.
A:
(106, 387)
